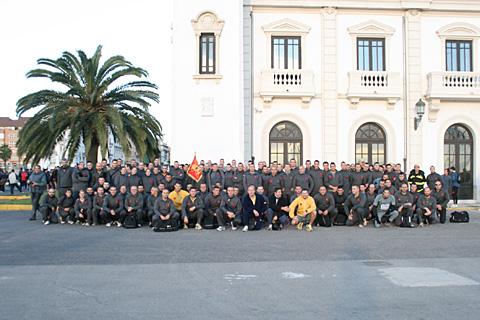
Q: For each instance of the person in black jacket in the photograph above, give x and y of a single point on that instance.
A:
(64, 178)
(441, 196)
(83, 209)
(134, 205)
(48, 208)
(66, 205)
(113, 208)
(278, 209)
(355, 208)
(97, 205)
(253, 205)
(80, 178)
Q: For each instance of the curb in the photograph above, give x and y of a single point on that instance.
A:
(14, 197)
(16, 207)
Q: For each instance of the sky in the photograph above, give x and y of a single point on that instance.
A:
(138, 30)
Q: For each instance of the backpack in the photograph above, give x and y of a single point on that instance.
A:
(457, 217)
(24, 176)
(165, 225)
(406, 222)
(130, 221)
(277, 225)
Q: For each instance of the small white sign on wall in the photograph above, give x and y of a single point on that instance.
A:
(207, 106)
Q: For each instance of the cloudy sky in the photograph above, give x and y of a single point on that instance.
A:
(138, 30)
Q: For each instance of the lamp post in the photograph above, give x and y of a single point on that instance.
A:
(419, 112)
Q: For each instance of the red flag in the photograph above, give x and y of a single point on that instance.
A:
(194, 170)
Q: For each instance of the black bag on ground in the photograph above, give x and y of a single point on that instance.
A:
(277, 226)
(457, 217)
(341, 219)
(165, 225)
(406, 222)
(210, 222)
(323, 221)
(130, 221)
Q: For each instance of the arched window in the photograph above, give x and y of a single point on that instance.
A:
(286, 142)
(370, 144)
(458, 153)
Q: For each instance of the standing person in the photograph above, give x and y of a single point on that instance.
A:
(49, 207)
(317, 177)
(455, 186)
(303, 180)
(417, 177)
(433, 177)
(38, 184)
(252, 177)
(23, 179)
(238, 178)
(80, 178)
(333, 179)
(12, 179)
(274, 181)
(447, 181)
(288, 186)
(64, 178)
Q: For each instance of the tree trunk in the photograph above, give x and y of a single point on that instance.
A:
(92, 154)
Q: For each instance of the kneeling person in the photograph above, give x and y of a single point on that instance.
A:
(192, 209)
(355, 208)
(306, 211)
(113, 208)
(384, 205)
(134, 204)
(326, 211)
(230, 211)
(164, 209)
(48, 208)
(278, 209)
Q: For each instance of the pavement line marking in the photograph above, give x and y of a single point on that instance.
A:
(293, 275)
(239, 276)
(425, 277)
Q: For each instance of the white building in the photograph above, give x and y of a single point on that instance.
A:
(328, 80)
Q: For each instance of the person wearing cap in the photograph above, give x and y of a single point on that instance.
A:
(417, 177)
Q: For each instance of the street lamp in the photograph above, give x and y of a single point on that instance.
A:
(419, 112)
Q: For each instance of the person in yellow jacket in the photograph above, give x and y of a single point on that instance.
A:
(177, 196)
(306, 211)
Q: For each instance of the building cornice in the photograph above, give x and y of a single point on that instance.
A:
(425, 5)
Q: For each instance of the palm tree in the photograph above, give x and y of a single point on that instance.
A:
(5, 154)
(98, 99)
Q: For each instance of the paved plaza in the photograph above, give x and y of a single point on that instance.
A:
(76, 272)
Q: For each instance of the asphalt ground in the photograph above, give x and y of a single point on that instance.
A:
(77, 272)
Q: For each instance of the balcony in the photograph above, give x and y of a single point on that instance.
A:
(286, 83)
(453, 86)
(374, 85)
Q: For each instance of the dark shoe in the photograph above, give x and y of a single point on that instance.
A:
(32, 217)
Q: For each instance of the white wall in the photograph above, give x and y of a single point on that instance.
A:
(219, 136)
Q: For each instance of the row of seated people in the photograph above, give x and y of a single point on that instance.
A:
(194, 208)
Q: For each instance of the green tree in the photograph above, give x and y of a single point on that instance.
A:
(5, 154)
(98, 99)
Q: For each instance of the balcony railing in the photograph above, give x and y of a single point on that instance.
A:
(373, 85)
(453, 85)
(284, 83)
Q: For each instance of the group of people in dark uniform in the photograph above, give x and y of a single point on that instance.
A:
(230, 195)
